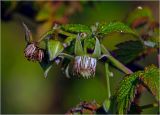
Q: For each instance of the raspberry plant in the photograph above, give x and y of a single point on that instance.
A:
(79, 48)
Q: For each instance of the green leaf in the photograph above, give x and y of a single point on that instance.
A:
(97, 49)
(139, 13)
(116, 27)
(151, 80)
(54, 48)
(126, 92)
(28, 34)
(76, 28)
(78, 47)
(128, 51)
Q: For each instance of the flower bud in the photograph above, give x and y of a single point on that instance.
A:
(84, 66)
(33, 53)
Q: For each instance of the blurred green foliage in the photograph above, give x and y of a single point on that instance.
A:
(25, 90)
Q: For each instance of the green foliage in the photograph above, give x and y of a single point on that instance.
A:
(128, 51)
(54, 48)
(76, 28)
(151, 80)
(115, 27)
(126, 92)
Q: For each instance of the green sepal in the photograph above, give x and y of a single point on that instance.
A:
(78, 50)
(28, 34)
(54, 48)
(97, 49)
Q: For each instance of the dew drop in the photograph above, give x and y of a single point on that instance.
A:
(139, 8)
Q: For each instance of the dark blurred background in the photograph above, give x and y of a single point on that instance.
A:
(24, 88)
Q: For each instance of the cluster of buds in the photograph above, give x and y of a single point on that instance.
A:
(33, 53)
(84, 66)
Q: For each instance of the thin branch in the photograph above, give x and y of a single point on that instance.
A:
(115, 62)
(149, 106)
(107, 79)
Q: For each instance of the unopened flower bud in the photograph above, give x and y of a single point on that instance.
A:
(33, 53)
(84, 66)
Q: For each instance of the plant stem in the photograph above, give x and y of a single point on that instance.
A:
(66, 33)
(119, 65)
(158, 50)
(50, 32)
(66, 55)
(149, 106)
(107, 79)
(115, 62)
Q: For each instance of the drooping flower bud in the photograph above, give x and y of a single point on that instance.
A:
(84, 66)
(33, 53)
